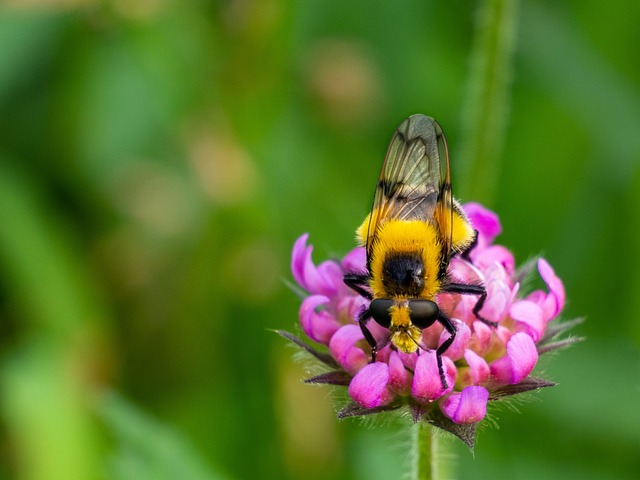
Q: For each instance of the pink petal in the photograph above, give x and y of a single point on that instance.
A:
(384, 354)
(479, 368)
(324, 279)
(398, 374)
(343, 349)
(298, 259)
(318, 325)
(468, 406)
(460, 343)
(537, 296)
(524, 355)
(485, 221)
(355, 260)
(464, 308)
(378, 331)
(498, 301)
(349, 307)
(519, 361)
(447, 302)
(481, 341)
(426, 385)
(464, 271)
(529, 318)
(431, 336)
(409, 359)
(369, 386)
(495, 254)
(503, 334)
(556, 298)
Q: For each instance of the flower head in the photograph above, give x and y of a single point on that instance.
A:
(484, 362)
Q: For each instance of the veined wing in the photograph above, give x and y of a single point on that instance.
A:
(415, 182)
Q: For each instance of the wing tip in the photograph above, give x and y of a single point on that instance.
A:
(419, 125)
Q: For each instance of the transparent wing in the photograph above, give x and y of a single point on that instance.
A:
(415, 182)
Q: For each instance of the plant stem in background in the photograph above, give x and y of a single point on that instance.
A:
(484, 116)
(45, 378)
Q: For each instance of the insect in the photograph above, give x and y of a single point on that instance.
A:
(413, 230)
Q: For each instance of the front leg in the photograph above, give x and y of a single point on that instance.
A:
(363, 319)
(451, 328)
(467, 251)
(357, 282)
(466, 289)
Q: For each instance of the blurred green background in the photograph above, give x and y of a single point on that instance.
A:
(157, 160)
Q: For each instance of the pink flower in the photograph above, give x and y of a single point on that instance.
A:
(483, 363)
(519, 361)
(323, 279)
(370, 386)
(484, 221)
(426, 385)
(319, 325)
(343, 348)
(468, 406)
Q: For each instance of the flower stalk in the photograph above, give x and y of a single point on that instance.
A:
(485, 115)
(428, 453)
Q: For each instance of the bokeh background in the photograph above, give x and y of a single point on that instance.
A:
(158, 158)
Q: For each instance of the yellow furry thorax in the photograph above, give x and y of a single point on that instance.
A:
(392, 236)
(412, 237)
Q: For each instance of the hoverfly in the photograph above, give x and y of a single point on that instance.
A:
(413, 230)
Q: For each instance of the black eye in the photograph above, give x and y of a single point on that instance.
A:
(423, 312)
(379, 309)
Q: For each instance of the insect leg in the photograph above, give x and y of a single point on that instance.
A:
(478, 306)
(451, 328)
(363, 318)
(467, 251)
(357, 282)
(466, 289)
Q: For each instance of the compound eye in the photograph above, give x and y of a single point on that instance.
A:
(379, 309)
(423, 312)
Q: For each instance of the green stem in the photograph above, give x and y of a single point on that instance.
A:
(429, 453)
(488, 96)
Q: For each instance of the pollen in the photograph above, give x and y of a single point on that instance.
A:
(400, 315)
(404, 335)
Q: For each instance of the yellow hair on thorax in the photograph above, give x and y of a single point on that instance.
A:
(462, 234)
(362, 231)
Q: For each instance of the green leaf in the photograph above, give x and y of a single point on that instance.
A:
(526, 385)
(465, 432)
(323, 357)
(337, 377)
(355, 410)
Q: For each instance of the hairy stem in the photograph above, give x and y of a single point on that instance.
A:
(429, 453)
